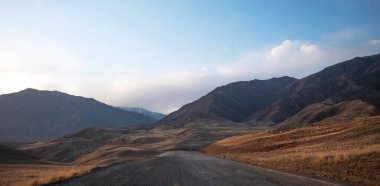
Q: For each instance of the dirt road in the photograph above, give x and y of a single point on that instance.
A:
(189, 168)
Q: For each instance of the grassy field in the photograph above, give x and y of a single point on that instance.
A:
(347, 151)
(28, 175)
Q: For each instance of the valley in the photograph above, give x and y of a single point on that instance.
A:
(189, 93)
(321, 127)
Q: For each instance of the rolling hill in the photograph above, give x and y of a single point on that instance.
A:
(104, 146)
(34, 115)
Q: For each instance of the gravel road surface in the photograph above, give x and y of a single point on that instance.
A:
(189, 168)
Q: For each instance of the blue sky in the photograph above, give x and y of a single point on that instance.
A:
(163, 54)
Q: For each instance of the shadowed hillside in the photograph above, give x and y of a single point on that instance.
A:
(234, 102)
(33, 115)
(9, 156)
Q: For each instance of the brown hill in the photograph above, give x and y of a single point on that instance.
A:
(103, 143)
(347, 151)
(95, 147)
(103, 146)
(345, 90)
(33, 115)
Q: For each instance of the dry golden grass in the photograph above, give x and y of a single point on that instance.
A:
(31, 175)
(347, 151)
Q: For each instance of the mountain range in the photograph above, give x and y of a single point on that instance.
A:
(34, 115)
(342, 91)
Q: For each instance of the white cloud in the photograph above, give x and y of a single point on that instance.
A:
(375, 42)
(293, 58)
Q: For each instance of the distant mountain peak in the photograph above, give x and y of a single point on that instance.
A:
(29, 90)
(155, 115)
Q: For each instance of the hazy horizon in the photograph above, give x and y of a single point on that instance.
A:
(161, 55)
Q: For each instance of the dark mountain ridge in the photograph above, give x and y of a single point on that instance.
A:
(33, 115)
(353, 80)
(234, 102)
(347, 89)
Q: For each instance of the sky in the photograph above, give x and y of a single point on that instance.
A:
(162, 54)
